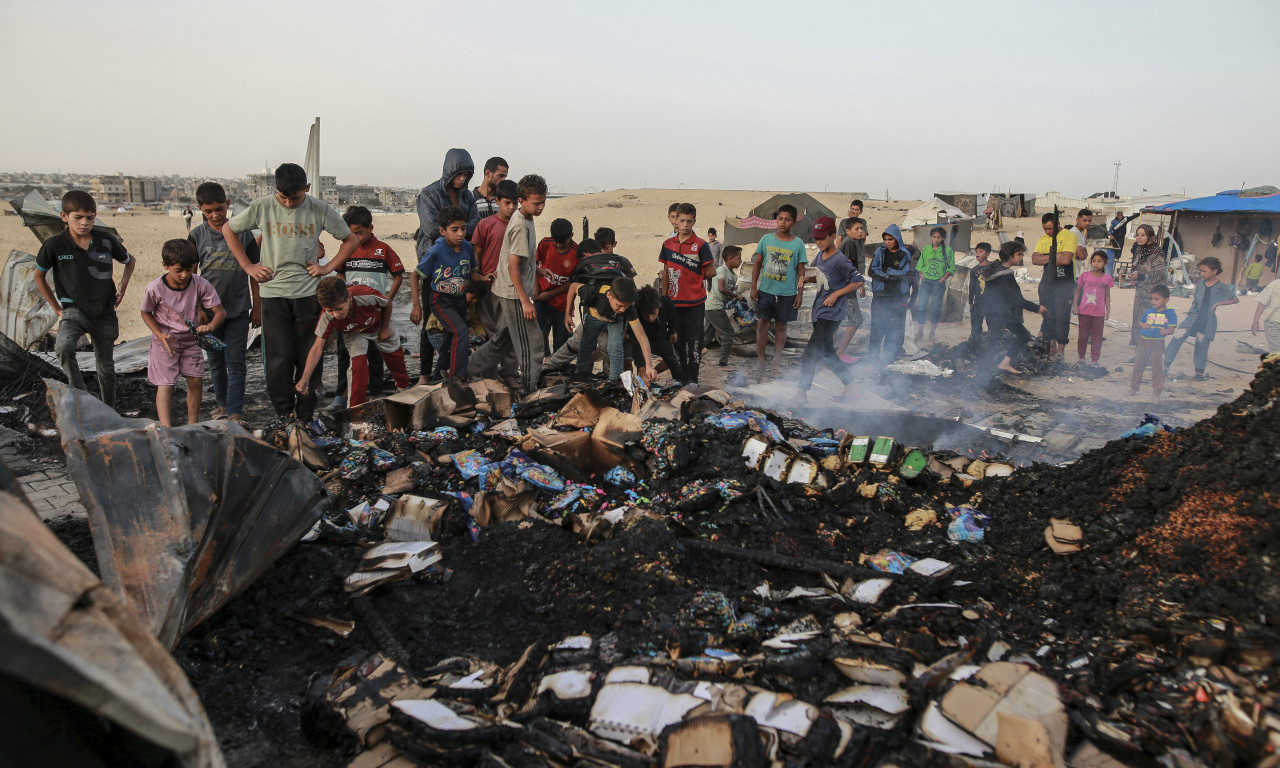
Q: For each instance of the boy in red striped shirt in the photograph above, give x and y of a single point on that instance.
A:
(687, 265)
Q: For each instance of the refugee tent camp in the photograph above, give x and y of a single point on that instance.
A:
(760, 221)
(1233, 225)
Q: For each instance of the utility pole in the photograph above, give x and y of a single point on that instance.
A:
(1115, 180)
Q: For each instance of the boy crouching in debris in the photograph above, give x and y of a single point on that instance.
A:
(609, 309)
(170, 307)
(1004, 305)
(362, 316)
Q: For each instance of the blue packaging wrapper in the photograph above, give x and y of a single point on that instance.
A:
(354, 466)
(471, 463)
(382, 460)
(889, 561)
(325, 443)
(620, 477)
(967, 524)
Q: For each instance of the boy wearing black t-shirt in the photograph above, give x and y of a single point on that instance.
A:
(84, 295)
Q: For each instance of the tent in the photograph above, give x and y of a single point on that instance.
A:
(760, 221)
(934, 212)
(1234, 226)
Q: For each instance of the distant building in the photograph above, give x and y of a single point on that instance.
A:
(261, 185)
(328, 189)
(352, 194)
(124, 189)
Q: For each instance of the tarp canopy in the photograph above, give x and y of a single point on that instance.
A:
(928, 213)
(1231, 201)
(43, 219)
(760, 221)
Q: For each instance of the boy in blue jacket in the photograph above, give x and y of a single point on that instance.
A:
(892, 282)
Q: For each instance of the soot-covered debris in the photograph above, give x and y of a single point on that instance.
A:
(868, 612)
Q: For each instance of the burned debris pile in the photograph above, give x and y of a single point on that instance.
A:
(623, 577)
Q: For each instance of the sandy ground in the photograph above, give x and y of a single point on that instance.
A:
(640, 221)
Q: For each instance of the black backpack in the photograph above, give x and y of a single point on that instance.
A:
(600, 269)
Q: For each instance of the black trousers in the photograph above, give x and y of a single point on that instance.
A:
(689, 322)
(288, 331)
(821, 350)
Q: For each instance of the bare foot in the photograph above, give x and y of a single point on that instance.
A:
(1133, 393)
(773, 371)
(760, 372)
(1007, 367)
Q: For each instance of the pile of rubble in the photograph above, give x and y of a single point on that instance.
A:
(625, 577)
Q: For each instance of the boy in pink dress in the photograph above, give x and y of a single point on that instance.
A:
(170, 307)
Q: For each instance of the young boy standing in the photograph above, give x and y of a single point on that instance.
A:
(981, 252)
(171, 302)
(686, 266)
(362, 316)
(84, 296)
(777, 278)
(1157, 322)
(852, 246)
(855, 213)
(377, 265)
(557, 256)
(716, 247)
(448, 268)
(291, 222)
(487, 243)
(724, 288)
(514, 286)
(237, 293)
(892, 276)
(837, 279)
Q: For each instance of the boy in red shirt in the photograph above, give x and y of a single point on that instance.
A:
(487, 242)
(687, 265)
(556, 256)
(362, 316)
(375, 264)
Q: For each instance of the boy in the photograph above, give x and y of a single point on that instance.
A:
(237, 293)
(609, 308)
(777, 286)
(449, 267)
(477, 290)
(377, 265)
(981, 252)
(1157, 322)
(717, 247)
(606, 239)
(836, 278)
(686, 266)
(84, 296)
(487, 242)
(852, 246)
(724, 288)
(361, 315)
(672, 212)
(1004, 305)
(291, 222)
(495, 172)
(892, 278)
(1253, 274)
(855, 212)
(1084, 220)
(658, 318)
(936, 265)
(1055, 251)
(1266, 317)
(514, 285)
(595, 269)
(171, 302)
(449, 189)
(557, 256)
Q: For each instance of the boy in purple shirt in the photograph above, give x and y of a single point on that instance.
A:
(169, 308)
(836, 278)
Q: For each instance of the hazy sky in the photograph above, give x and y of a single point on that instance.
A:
(913, 97)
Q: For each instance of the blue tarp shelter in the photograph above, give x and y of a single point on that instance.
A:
(1235, 226)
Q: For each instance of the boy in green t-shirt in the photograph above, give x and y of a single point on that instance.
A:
(777, 286)
(291, 222)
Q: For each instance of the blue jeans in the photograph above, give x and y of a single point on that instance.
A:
(929, 302)
(591, 327)
(888, 328)
(226, 368)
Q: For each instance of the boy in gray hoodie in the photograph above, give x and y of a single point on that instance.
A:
(450, 189)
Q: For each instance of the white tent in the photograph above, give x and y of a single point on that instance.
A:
(929, 213)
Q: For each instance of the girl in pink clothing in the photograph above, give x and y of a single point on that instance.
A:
(1092, 305)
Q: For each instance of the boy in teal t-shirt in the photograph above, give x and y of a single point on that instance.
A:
(777, 280)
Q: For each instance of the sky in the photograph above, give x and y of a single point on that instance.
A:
(904, 97)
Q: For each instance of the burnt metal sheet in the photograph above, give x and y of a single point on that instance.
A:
(182, 518)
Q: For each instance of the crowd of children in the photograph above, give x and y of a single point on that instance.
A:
(553, 302)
